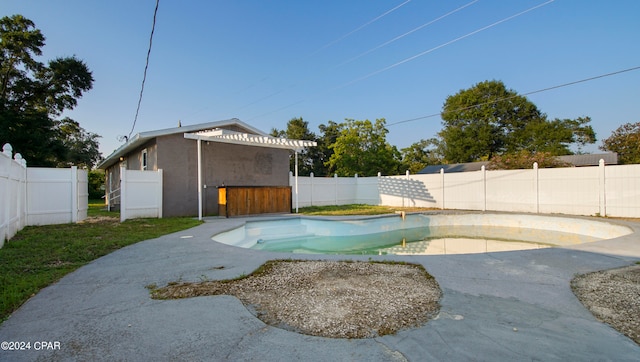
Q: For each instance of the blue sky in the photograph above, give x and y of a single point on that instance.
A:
(266, 62)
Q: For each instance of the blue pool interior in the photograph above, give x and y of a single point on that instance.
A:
(418, 234)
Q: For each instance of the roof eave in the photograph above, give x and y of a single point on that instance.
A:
(142, 137)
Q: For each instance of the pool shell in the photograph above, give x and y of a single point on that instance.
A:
(382, 231)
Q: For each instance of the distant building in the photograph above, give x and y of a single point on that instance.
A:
(575, 160)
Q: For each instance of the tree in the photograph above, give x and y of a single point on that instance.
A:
(309, 159)
(625, 141)
(361, 148)
(488, 119)
(555, 137)
(32, 134)
(32, 93)
(330, 133)
(420, 155)
(96, 179)
(80, 146)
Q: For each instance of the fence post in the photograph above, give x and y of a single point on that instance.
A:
(442, 178)
(7, 150)
(484, 188)
(536, 185)
(160, 175)
(602, 182)
(335, 199)
(406, 188)
(378, 180)
(22, 192)
(74, 194)
(123, 194)
(311, 188)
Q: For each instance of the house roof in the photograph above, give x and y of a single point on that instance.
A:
(610, 158)
(141, 138)
(455, 167)
(576, 160)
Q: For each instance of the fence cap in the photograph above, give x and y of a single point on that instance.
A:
(7, 149)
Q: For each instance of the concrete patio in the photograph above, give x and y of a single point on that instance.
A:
(497, 306)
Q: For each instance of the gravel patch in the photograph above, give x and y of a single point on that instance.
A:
(337, 299)
(613, 297)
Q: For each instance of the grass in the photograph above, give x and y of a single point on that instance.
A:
(355, 209)
(40, 255)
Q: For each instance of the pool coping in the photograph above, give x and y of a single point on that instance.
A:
(605, 230)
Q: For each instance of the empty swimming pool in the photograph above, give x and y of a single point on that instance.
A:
(418, 233)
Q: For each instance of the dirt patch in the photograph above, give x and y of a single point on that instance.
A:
(99, 220)
(613, 297)
(329, 298)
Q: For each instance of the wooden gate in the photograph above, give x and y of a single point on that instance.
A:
(249, 200)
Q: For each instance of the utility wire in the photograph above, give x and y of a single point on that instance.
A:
(408, 33)
(331, 43)
(361, 27)
(520, 95)
(412, 57)
(441, 45)
(290, 87)
(146, 66)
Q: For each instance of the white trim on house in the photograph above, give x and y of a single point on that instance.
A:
(144, 158)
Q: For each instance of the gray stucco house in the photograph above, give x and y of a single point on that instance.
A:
(228, 152)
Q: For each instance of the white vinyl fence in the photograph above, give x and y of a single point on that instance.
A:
(38, 196)
(13, 179)
(140, 194)
(599, 190)
(56, 195)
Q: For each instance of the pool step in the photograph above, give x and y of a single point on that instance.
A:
(276, 232)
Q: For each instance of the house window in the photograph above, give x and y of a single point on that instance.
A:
(144, 160)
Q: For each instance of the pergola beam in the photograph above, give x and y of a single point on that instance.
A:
(225, 136)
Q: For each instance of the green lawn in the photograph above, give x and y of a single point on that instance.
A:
(40, 255)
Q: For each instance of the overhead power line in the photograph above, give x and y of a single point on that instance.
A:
(146, 66)
(408, 33)
(520, 95)
(328, 45)
(361, 26)
(414, 56)
(442, 45)
(362, 54)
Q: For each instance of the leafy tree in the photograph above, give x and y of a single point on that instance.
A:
(557, 136)
(361, 148)
(80, 146)
(330, 133)
(32, 134)
(420, 155)
(625, 141)
(524, 160)
(32, 93)
(309, 159)
(488, 119)
(96, 185)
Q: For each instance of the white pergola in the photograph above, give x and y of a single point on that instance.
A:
(238, 138)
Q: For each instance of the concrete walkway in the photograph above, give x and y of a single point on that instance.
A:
(507, 306)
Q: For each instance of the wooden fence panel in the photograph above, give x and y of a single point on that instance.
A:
(250, 200)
